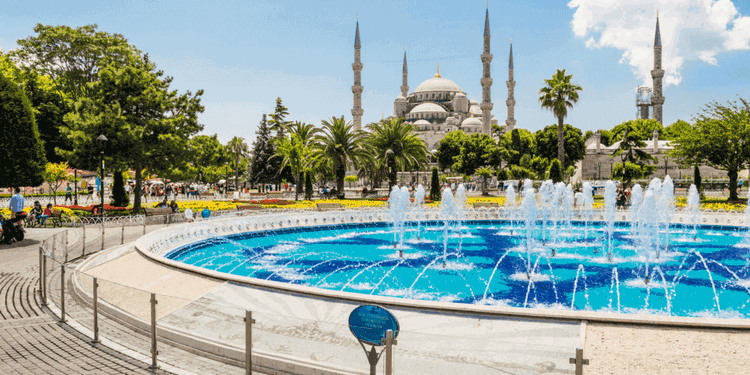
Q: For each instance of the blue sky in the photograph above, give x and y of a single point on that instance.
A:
(244, 54)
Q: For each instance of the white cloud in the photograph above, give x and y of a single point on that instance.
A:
(690, 30)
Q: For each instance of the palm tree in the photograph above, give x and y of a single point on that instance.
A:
(238, 148)
(558, 96)
(306, 134)
(341, 144)
(298, 155)
(394, 142)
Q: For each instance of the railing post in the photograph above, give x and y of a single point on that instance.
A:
(44, 278)
(96, 312)
(249, 321)
(66, 246)
(389, 341)
(62, 293)
(102, 233)
(169, 218)
(144, 224)
(83, 252)
(154, 352)
(122, 235)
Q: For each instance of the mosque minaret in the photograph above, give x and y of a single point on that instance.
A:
(657, 99)
(486, 78)
(357, 110)
(510, 122)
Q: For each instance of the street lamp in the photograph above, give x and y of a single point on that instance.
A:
(103, 141)
(75, 186)
(226, 177)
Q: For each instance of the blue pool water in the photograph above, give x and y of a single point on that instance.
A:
(485, 264)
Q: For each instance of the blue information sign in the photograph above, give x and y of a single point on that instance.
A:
(205, 213)
(368, 323)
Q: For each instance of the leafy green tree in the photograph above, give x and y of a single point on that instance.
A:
(671, 132)
(394, 142)
(435, 193)
(341, 144)
(570, 172)
(205, 150)
(719, 138)
(147, 124)
(555, 171)
(558, 95)
(520, 142)
(119, 197)
(72, 58)
(55, 174)
(449, 147)
(639, 128)
(575, 145)
(351, 179)
(485, 173)
(475, 153)
(631, 134)
(23, 161)
(518, 172)
(502, 175)
(261, 167)
(540, 166)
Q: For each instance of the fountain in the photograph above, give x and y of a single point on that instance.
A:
(610, 196)
(351, 252)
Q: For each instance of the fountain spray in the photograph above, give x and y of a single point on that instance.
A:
(448, 212)
(529, 210)
(610, 196)
(694, 203)
(510, 201)
(418, 202)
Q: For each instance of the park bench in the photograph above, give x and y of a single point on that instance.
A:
(275, 193)
(251, 207)
(157, 211)
(257, 194)
(486, 204)
(55, 218)
(328, 206)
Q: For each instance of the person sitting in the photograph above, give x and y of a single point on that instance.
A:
(37, 211)
(174, 207)
(47, 213)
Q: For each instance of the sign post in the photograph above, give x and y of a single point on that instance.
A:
(369, 324)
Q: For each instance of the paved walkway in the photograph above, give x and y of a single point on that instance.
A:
(32, 341)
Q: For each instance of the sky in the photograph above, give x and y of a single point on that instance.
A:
(245, 54)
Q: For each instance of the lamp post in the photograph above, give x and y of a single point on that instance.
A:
(226, 177)
(103, 141)
(599, 164)
(612, 168)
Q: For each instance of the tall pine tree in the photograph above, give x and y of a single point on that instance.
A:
(261, 170)
(277, 122)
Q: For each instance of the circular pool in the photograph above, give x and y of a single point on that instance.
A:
(493, 262)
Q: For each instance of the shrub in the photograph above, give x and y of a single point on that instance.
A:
(435, 186)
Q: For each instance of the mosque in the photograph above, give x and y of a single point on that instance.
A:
(438, 105)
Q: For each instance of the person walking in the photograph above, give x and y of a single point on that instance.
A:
(68, 194)
(16, 214)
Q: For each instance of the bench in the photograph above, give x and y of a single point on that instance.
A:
(251, 207)
(328, 206)
(275, 193)
(486, 204)
(55, 218)
(157, 211)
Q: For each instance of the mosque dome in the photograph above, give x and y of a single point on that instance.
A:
(493, 120)
(427, 107)
(422, 122)
(473, 102)
(460, 95)
(475, 110)
(472, 121)
(400, 98)
(438, 84)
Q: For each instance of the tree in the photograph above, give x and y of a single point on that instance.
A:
(555, 171)
(23, 160)
(351, 179)
(261, 168)
(719, 138)
(435, 194)
(306, 133)
(631, 135)
(119, 197)
(147, 124)
(485, 173)
(540, 166)
(55, 174)
(475, 153)
(341, 144)
(308, 185)
(520, 142)
(296, 155)
(277, 122)
(205, 150)
(449, 147)
(558, 95)
(394, 142)
(72, 58)
(238, 149)
(519, 173)
(671, 132)
(575, 145)
(570, 172)
(502, 175)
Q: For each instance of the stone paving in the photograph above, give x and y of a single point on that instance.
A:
(32, 341)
